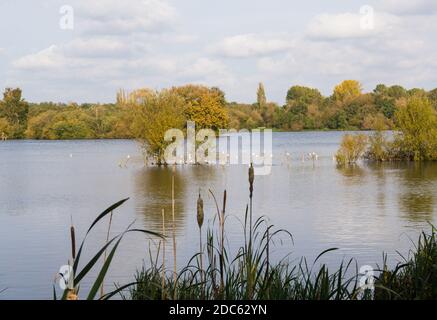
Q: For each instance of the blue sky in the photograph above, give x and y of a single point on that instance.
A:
(231, 44)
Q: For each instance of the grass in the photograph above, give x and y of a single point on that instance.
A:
(416, 277)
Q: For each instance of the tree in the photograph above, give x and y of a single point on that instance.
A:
(152, 116)
(432, 96)
(352, 148)
(39, 125)
(348, 89)
(204, 105)
(397, 92)
(261, 97)
(416, 121)
(5, 129)
(417, 92)
(303, 95)
(15, 110)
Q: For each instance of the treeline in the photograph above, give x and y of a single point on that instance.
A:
(348, 108)
(415, 137)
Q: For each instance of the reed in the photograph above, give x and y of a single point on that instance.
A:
(102, 290)
(415, 277)
(174, 227)
(200, 219)
(71, 292)
(163, 258)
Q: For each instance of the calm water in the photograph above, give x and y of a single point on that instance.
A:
(43, 185)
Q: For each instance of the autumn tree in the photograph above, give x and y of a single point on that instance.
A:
(348, 89)
(416, 123)
(152, 114)
(432, 96)
(204, 106)
(15, 110)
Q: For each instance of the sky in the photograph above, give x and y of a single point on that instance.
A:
(232, 44)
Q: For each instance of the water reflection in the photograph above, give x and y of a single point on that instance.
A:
(353, 174)
(417, 194)
(153, 192)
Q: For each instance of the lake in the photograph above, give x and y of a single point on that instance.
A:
(363, 210)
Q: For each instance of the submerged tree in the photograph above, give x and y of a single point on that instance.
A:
(153, 113)
(351, 149)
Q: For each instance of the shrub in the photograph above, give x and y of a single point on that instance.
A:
(351, 149)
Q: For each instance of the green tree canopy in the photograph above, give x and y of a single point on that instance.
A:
(416, 121)
(15, 110)
(303, 95)
(261, 96)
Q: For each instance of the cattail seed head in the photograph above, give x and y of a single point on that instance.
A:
(251, 178)
(73, 243)
(200, 214)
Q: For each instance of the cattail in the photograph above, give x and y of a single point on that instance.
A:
(200, 218)
(251, 179)
(73, 242)
(163, 258)
(175, 277)
(200, 213)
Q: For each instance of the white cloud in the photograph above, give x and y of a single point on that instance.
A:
(250, 45)
(349, 25)
(46, 59)
(144, 43)
(123, 17)
(409, 7)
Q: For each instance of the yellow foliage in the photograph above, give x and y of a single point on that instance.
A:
(348, 89)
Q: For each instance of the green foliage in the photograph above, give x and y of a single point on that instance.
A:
(305, 109)
(303, 95)
(413, 279)
(14, 109)
(432, 96)
(416, 122)
(153, 113)
(75, 278)
(261, 97)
